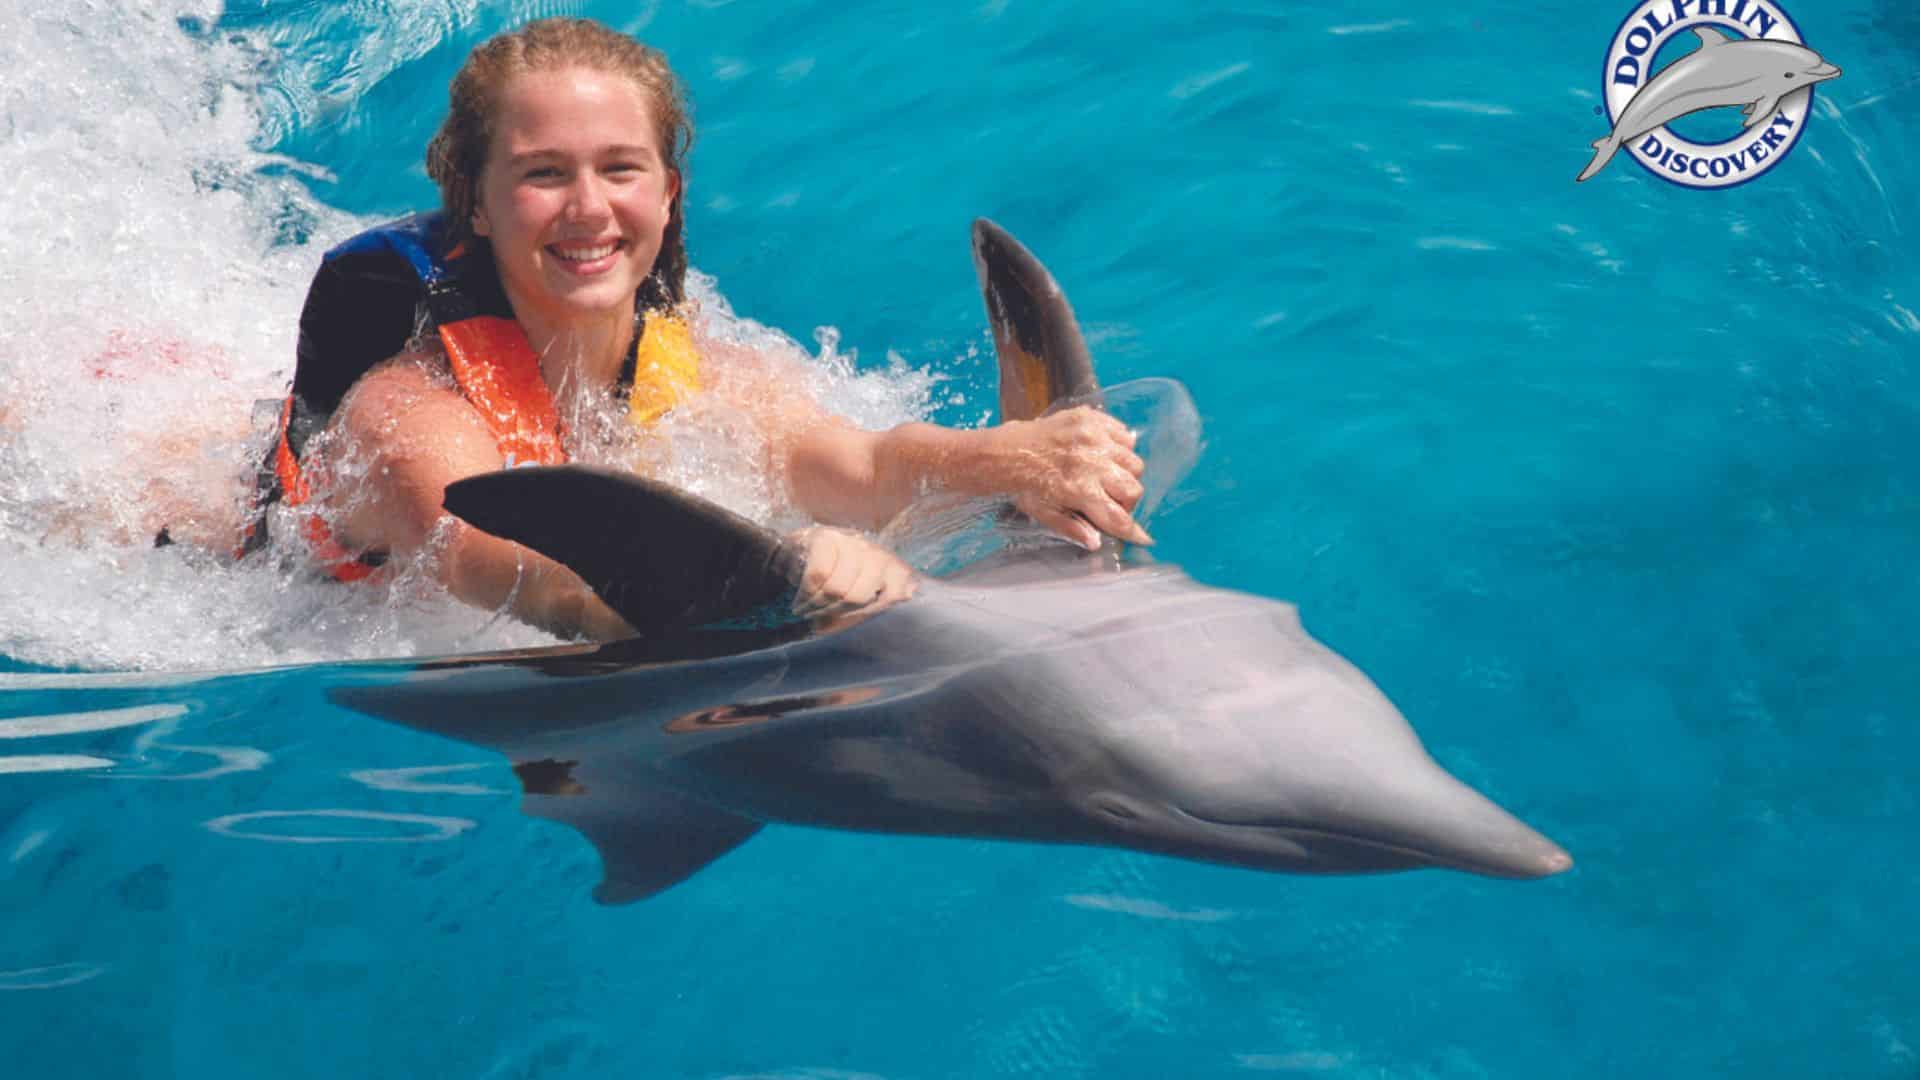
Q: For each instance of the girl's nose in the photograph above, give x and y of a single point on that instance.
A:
(586, 199)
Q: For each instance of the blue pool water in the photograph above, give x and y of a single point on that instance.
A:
(1610, 486)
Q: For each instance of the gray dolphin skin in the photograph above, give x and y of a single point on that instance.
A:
(1722, 72)
(1041, 693)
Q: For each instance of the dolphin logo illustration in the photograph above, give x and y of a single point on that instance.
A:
(1757, 75)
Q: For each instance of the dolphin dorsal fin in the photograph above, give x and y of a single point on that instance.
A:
(1709, 37)
(1043, 357)
(660, 557)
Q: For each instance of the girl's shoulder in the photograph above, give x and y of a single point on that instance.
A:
(417, 370)
(408, 394)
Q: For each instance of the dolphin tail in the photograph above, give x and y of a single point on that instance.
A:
(1603, 151)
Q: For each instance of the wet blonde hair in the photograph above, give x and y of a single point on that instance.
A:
(458, 152)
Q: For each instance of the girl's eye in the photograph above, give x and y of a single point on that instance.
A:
(543, 172)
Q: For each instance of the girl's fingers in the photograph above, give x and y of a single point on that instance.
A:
(1111, 518)
(847, 573)
(898, 583)
(1064, 524)
(1124, 488)
(822, 561)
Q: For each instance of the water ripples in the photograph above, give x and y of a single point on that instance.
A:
(34, 727)
(430, 828)
(50, 976)
(409, 780)
(31, 763)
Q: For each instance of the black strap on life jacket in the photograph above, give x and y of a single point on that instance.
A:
(371, 296)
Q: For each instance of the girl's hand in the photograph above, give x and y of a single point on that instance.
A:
(848, 574)
(1074, 472)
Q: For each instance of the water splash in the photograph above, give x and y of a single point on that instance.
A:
(166, 256)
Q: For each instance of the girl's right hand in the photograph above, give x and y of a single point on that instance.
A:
(1074, 472)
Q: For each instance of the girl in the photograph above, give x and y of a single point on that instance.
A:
(560, 173)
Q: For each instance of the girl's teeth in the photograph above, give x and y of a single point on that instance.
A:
(585, 254)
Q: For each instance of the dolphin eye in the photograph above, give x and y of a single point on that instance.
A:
(1789, 74)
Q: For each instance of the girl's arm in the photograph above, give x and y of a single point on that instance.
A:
(405, 435)
(1074, 471)
(402, 436)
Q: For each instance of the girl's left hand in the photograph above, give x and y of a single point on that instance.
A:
(848, 574)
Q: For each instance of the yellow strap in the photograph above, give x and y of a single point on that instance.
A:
(666, 369)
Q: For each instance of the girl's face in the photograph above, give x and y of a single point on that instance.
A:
(574, 195)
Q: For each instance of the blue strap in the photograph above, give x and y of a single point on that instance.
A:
(415, 238)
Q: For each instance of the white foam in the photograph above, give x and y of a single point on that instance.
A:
(38, 680)
(160, 252)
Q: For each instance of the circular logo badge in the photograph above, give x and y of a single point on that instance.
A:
(1748, 57)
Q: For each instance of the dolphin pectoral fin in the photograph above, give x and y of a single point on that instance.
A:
(660, 557)
(1796, 99)
(1760, 111)
(570, 770)
(1043, 356)
(1603, 151)
(648, 840)
(1709, 37)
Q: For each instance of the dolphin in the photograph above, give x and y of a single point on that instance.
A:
(1723, 71)
(1040, 693)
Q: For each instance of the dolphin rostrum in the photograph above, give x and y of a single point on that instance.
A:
(1043, 693)
(1722, 72)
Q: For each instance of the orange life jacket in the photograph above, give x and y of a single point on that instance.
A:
(363, 307)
